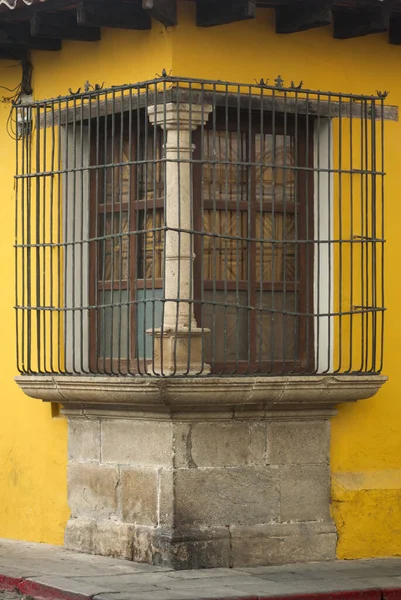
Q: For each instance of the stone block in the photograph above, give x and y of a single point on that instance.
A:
(226, 444)
(139, 492)
(115, 539)
(282, 543)
(137, 443)
(78, 535)
(166, 498)
(92, 490)
(309, 544)
(299, 442)
(254, 547)
(84, 440)
(183, 549)
(181, 439)
(305, 493)
(258, 443)
(248, 495)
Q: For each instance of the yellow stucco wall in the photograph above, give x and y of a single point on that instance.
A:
(366, 440)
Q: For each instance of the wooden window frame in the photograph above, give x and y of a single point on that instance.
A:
(288, 125)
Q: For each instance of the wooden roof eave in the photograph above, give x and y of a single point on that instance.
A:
(38, 26)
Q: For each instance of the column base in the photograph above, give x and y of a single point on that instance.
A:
(179, 352)
(215, 547)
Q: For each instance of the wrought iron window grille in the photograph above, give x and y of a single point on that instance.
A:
(182, 227)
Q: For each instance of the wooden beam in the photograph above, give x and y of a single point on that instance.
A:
(116, 14)
(19, 34)
(302, 15)
(394, 34)
(359, 20)
(62, 26)
(164, 11)
(210, 13)
(23, 11)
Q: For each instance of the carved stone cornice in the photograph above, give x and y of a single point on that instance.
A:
(238, 396)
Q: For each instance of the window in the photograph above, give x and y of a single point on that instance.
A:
(255, 206)
(215, 228)
(127, 206)
(249, 207)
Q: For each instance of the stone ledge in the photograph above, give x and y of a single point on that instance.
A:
(191, 395)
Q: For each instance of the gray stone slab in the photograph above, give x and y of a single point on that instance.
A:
(68, 584)
(204, 574)
(127, 582)
(321, 586)
(200, 584)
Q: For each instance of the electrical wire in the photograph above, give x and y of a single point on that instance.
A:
(23, 88)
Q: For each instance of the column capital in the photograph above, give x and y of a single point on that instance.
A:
(182, 116)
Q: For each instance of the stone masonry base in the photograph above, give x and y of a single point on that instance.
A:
(201, 493)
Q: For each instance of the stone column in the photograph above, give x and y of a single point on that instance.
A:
(178, 344)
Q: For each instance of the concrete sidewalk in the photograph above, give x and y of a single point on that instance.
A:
(48, 572)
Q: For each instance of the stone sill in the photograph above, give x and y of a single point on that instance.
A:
(192, 395)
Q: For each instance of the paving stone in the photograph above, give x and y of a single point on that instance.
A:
(68, 584)
(125, 583)
(200, 584)
(10, 596)
(110, 579)
(204, 574)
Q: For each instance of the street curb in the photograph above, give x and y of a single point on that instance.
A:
(39, 591)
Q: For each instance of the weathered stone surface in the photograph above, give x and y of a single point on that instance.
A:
(207, 394)
(83, 439)
(299, 442)
(226, 496)
(115, 539)
(183, 549)
(139, 491)
(92, 490)
(252, 548)
(278, 543)
(258, 445)
(181, 439)
(305, 493)
(231, 444)
(137, 443)
(308, 545)
(78, 535)
(166, 498)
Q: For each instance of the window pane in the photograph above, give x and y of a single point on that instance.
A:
(151, 243)
(277, 333)
(228, 340)
(225, 257)
(113, 251)
(275, 260)
(117, 180)
(275, 179)
(149, 316)
(225, 178)
(151, 172)
(113, 324)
